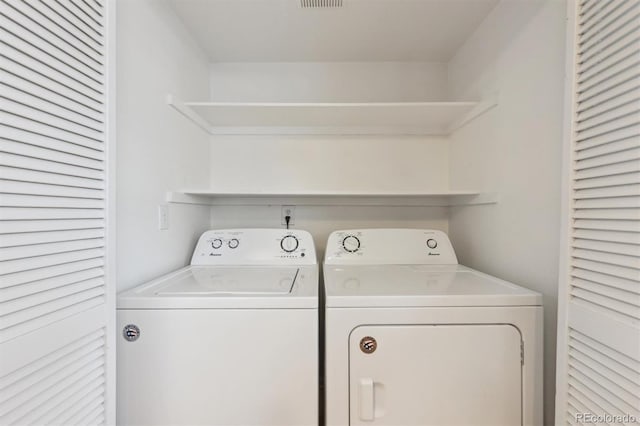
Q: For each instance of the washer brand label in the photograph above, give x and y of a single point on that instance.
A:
(368, 345)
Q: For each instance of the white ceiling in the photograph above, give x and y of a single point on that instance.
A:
(361, 30)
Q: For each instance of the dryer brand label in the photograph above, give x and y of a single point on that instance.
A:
(131, 332)
(368, 345)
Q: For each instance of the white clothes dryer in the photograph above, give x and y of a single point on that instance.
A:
(231, 339)
(414, 338)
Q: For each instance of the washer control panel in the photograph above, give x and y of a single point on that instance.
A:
(255, 247)
(389, 247)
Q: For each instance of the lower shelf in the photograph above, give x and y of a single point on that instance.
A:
(333, 198)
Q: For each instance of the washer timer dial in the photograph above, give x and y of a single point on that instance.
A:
(233, 243)
(217, 243)
(289, 243)
(431, 243)
(351, 243)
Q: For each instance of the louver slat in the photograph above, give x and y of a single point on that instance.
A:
(85, 10)
(52, 96)
(66, 165)
(610, 108)
(21, 252)
(30, 176)
(609, 148)
(51, 108)
(36, 201)
(609, 94)
(17, 213)
(93, 8)
(38, 16)
(25, 68)
(49, 54)
(611, 247)
(67, 11)
(53, 277)
(623, 49)
(24, 140)
(16, 187)
(627, 24)
(21, 107)
(33, 238)
(608, 181)
(610, 388)
(607, 280)
(50, 127)
(628, 377)
(43, 64)
(593, 11)
(607, 18)
(51, 312)
(89, 401)
(26, 277)
(631, 132)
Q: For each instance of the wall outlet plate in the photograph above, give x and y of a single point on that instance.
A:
(288, 211)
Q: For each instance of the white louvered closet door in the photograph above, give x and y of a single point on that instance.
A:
(598, 369)
(56, 292)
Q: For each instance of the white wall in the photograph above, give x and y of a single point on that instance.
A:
(157, 149)
(515, 150)
(340, 163)
(328, 81)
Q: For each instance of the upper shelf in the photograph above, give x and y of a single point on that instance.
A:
(328, 198)
(331, 118)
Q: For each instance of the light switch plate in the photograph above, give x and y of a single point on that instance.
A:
(163, 217)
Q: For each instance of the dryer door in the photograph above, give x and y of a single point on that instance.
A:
(435, 375)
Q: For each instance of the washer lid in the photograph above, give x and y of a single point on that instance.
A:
(420, 286)
(241, 287)
(203, 281)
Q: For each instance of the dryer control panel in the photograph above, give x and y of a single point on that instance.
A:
(389, 247)
(255, 247)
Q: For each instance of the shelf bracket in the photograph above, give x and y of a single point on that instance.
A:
(482, 198)
(183, 109)
(182, 198)
(476, 112)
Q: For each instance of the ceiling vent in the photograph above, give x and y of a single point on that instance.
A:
(320, 4)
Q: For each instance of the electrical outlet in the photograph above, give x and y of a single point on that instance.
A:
(288, 211)
(163, 217)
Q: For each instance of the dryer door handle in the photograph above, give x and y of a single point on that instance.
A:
(367, 399)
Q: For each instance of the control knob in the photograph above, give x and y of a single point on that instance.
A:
(289, 243)
(351, 243)
(431, 243)
(217, 243)
(233, 243)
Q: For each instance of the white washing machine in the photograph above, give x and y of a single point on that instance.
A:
(414, 338)
(231, 339)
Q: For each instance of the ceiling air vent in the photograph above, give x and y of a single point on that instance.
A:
(320, 3)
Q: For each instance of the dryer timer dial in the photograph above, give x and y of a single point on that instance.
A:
(351, 243)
